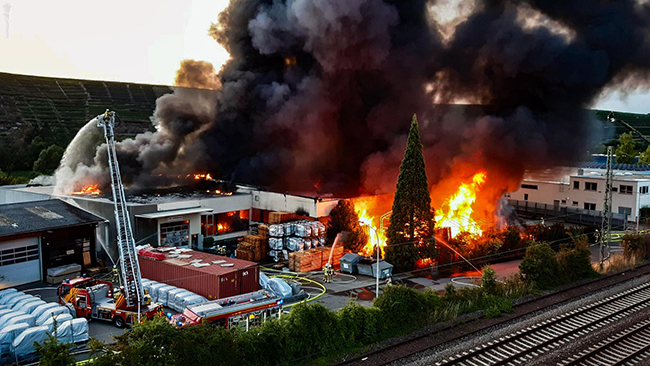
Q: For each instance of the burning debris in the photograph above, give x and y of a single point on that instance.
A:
(89, 190)
(320, 104)
(456, 211)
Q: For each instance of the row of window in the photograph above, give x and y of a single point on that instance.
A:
(622, 189)
(18, 255)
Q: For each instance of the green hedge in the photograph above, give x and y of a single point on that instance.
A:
(310, 332)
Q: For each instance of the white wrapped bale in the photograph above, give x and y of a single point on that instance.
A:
(5, 299)
(9, 334)
(60, 318)
(177, 302)
(172, 295)
(50, 313)
(321, 241)
(192, 300)
(153, 291)
(6, 292)
(306, 244)
(18, 300)
(23, 318)
(7, 316)
(23, 345)
(29, 304)
(314, 228)
(321, 228)
(73, 331)
(163, 294)
(43, 308)
(314, 242)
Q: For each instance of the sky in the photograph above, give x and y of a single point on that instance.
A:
(140, 41)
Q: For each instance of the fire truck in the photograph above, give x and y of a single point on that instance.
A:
(241, 311)
(97, 299)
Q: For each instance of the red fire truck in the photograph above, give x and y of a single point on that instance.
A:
(243, 311)
(95, 299)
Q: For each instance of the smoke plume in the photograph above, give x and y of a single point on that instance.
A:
(318, 95)
(197, 74)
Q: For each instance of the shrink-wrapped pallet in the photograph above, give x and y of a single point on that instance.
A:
(321, 228)
(276, 243)
(314, 242)
(289, 228)
(276, 230)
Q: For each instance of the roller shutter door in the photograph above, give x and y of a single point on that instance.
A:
(19, 262)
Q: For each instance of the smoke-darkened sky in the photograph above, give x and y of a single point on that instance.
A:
(317, 96)
(69, 52)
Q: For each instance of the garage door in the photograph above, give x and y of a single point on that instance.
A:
(19, 262)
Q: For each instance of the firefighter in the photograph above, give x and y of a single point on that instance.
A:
(389, 280)
(116, 276)
(325, 273)
(330, 273)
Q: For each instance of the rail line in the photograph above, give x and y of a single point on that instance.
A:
(527, 344)
(419, 343)
(629, 347)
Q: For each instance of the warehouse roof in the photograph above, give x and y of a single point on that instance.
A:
(36, 216)
(205, 262)
(185, 211)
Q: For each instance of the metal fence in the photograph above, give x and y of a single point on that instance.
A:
(567, 214)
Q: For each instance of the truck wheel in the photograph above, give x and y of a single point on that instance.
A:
(118, 321)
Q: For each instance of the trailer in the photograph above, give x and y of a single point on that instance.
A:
(242, 311)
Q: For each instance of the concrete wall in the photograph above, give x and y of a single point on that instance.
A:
(13, 194)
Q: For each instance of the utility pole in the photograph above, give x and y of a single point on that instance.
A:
(606, 225)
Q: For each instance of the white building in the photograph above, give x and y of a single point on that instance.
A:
(584, 189)
(181, 219)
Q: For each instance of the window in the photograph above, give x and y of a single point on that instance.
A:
(590, 186)
(575, 203)
(614, 189)
(590, 206)
(507, 195)
(18, 255)
(576, 184)
(525, 196)
(626, 190)
(644, 190)
(564, 202)
(624, 210)
(529, 186)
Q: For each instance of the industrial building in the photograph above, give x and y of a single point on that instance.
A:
(569, 189)
(38, 235)
(180, 219)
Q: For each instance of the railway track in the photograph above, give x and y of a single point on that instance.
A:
(523, 346)
(629, 347)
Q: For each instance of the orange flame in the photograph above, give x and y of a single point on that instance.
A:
(363, 207)
(92, 189)
(202, 176)
(456, 211)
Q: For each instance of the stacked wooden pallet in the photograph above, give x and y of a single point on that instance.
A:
(263, 230)
(254, 246)
(279, 217)
(314, 259)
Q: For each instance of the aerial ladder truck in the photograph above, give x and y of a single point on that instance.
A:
(99, 299)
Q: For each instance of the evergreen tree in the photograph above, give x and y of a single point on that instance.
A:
(343, 217)
(644, 157)
(626, 150)
(412, 220)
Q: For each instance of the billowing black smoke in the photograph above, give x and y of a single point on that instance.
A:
(318, 94)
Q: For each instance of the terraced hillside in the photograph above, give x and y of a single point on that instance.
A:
(56, 108)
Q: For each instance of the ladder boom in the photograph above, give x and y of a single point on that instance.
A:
(129, 267)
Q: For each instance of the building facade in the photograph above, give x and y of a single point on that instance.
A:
(584, 190)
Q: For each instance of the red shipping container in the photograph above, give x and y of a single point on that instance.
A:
(212, 282)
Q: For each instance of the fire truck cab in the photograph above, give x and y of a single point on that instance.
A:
(95, 299)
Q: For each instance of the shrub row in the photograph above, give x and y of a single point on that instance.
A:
(310, 332)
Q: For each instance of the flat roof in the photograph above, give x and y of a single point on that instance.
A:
(217, 264)
(37, 216)
(185, 211)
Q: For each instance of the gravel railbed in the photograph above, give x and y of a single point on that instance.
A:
(401, 347)
(456, 346)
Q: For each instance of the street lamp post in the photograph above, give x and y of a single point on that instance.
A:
(377, 274)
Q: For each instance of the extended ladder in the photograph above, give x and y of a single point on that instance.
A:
(131, 278)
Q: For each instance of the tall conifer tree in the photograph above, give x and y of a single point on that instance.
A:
(412, 220)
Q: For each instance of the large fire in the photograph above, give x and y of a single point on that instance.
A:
(456, 212)
(91, 189)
